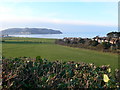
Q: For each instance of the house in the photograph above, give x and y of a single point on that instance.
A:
(114, 40)
(100, 39)
(106, 39)
(74, 40)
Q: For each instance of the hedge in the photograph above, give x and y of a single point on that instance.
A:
(36, 73)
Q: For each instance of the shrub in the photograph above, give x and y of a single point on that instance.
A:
(94, 43)
(99, 47)
(106, 45)
(39, 59)
(25, 73)
(82, 41)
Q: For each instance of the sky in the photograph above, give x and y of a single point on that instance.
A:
(65, 16)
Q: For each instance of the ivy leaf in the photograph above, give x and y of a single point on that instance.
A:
(39, 59)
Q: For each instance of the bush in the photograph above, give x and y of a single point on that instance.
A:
(82, 41)
(26, 73)
(3, 40)
(106, 45)
(39, 59)
(94, 43)
(99, 47)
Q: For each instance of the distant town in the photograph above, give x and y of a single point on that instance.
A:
(111, 42)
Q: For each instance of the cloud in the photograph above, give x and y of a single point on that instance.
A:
(4, 10)
(24, 20)
(25, 15)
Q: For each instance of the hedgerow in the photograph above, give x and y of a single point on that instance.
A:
(30, 73)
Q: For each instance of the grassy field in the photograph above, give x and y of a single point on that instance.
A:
(32, 47)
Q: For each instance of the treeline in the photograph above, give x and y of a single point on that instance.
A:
(111, 43)
(36, 73)
(93, 45)
(113, 34)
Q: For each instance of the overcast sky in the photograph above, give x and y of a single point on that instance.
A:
(65, 16)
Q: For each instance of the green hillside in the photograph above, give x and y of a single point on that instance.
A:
(46, 48)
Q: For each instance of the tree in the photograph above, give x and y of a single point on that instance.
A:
(106, 45)
(67, 41)
(113, 34)
(94, 43)
(82, 41)
(118, 44)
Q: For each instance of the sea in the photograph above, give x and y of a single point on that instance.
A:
(61, 36)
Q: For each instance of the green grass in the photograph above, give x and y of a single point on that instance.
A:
(47, 49)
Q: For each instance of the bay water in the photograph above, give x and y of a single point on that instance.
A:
(60, 36)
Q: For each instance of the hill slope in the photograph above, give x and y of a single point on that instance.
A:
(30, 31)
